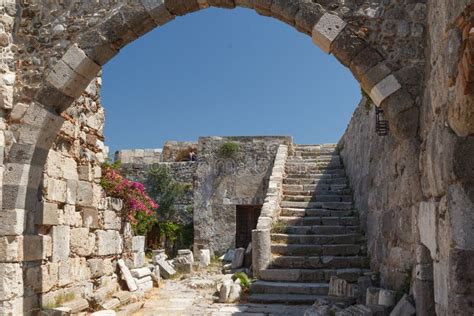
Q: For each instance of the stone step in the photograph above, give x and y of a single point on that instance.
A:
(320, 220)
(318, 198)
(319, 192)
(316, 250)
(299, 212)
(322, 230)
(320, 187)
(325, 205)
(316, 173)
(312, 166)
(317, 239)
(313, 161)
(289, 299)
(266, 287)
(319, 262)
(324, 179)
(311, 275)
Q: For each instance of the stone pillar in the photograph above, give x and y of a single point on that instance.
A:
(261, 252)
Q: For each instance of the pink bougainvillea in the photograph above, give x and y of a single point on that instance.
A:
(139, 208)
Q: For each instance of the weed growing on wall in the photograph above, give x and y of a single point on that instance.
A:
(228, 150)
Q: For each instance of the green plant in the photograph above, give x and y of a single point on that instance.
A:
(228, 150)
(244, 280)
(59, 300)
(279, 227)
(167, 192)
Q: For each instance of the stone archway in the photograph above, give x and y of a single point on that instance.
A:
(66, 78)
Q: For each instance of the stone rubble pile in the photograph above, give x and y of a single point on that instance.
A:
(237, 260)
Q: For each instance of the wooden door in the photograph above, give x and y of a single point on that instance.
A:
(246, 221)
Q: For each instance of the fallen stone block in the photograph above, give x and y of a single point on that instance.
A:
(229, 255)
(387, 297)
(234, 294)
(158, 254)
(186, 253)
(340, 287)
(204, 257)
(379, 310)
(123, 296)
(77, 305)
(403, 308)
(107, 312)
(363, 283)
(238, 258)
(166, 270)
(146, 286)
(225, 291)
(130, 309)
(184, 267)
(140, 272)
(127, 275)
(58, 311)
(156, 276)
(112, 303)
(372, 296)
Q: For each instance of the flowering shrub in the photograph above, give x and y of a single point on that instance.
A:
(139, 209)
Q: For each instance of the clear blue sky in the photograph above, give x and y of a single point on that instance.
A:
(225, 72)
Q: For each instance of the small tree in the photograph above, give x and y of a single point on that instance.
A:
(162, 187)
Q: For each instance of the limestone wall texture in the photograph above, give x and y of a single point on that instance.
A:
(416, 196)
(224, 182)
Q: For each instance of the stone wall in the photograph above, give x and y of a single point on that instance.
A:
(224, 182)
(416, 196)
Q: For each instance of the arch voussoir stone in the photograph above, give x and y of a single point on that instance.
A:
(182, 7)
(347, 46)
(226, 4)
(285, 10)
(158, 12)
(326, 30)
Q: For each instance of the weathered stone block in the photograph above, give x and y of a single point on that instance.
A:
(71, 191)
(11, 248)
(127, 276)
(66, 80)
(364, 61)
(158, 11)
(427, 224)
(90, 217)
(374, 76)
(77, 305)
(347, 45)
(47, 214)
(108, 242)
(112, 221)
(78, 61)
(85, 194)
(181, 7)
(166, 270)
(36, 247)
(326, 31)
(384, 89)
(238, 260)
(140, 272)
(55, 190)
(403, 308)
(101, 267)
(96, 47)
(12, 222)
(82, 242)
(61, 236)
(42, 278)
(138, 259)
(284, 10)
(11, 284)
(69, 216)
(263, 7)
(138, 244)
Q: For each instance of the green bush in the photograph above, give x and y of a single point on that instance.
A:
(279, 227)
(228, 149)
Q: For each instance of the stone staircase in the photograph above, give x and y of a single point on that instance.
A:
(317, 234)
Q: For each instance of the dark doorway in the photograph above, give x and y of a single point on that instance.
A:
(246, 221)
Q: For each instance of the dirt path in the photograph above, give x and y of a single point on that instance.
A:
(195, 296)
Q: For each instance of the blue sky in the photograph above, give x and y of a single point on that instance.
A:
(225, 72)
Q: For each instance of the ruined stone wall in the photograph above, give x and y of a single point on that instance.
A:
(416, 196)
(224, 182)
